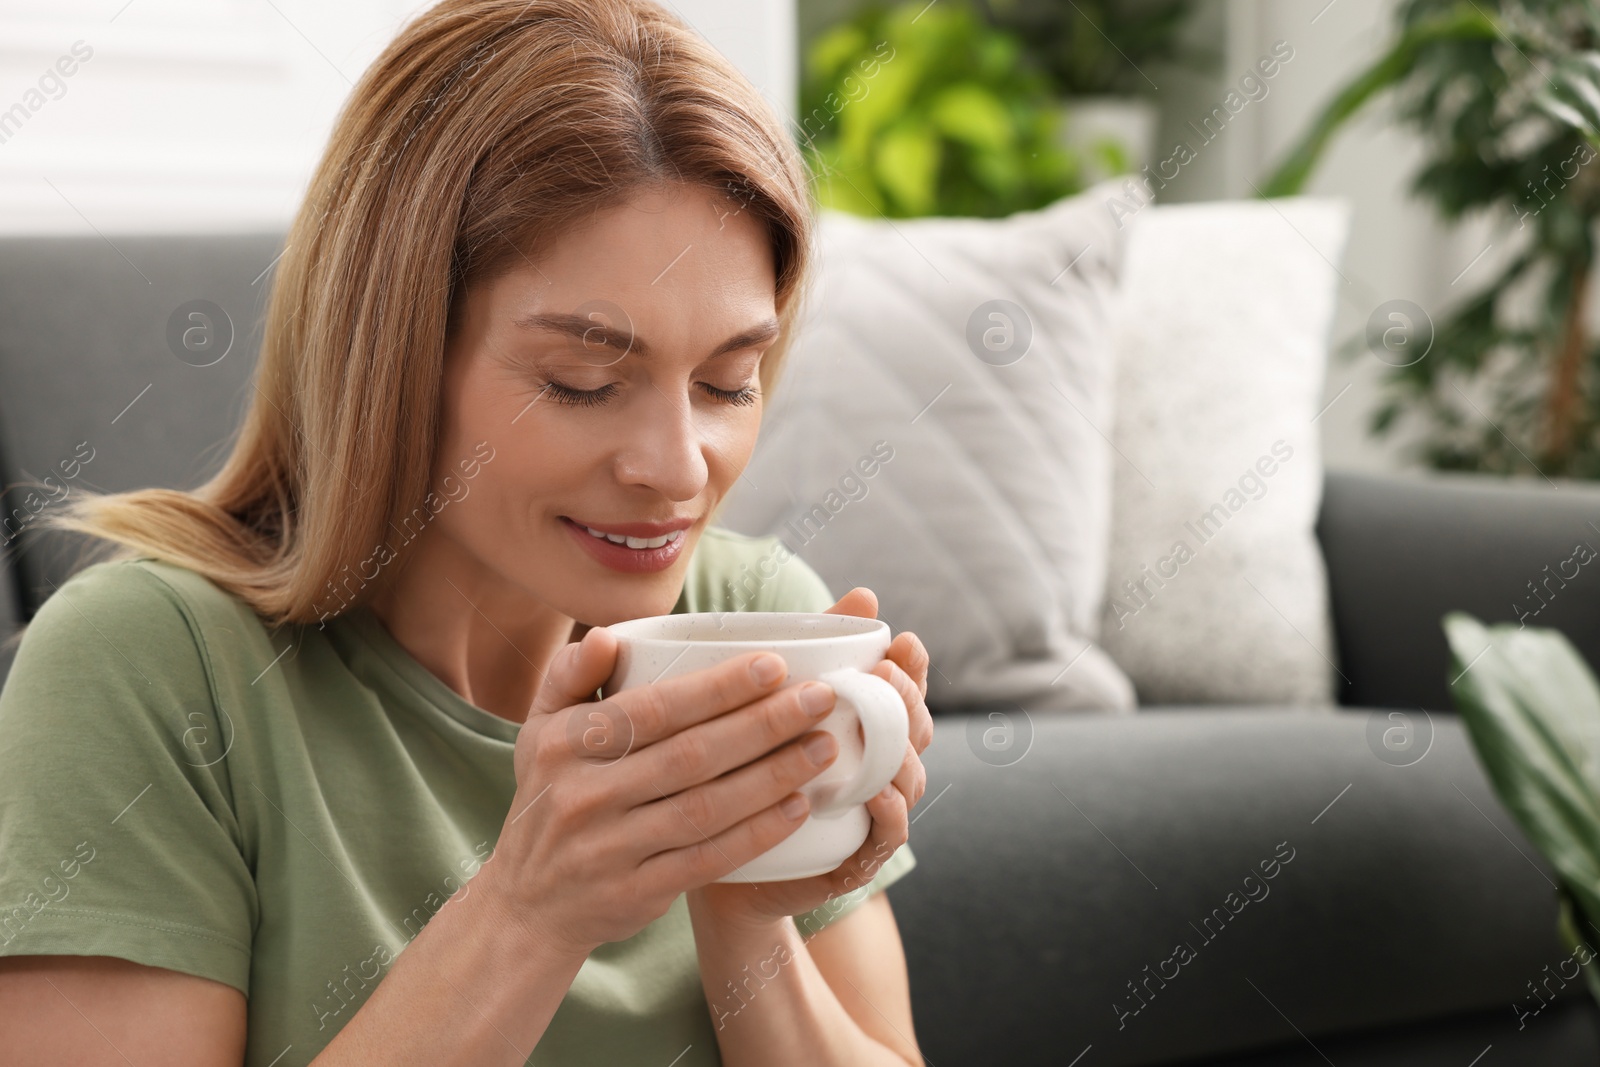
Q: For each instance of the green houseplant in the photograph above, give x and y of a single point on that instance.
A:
(1506, 97)
(1532, 710)
(922, 109)
(1094, 47)
(1102, 57)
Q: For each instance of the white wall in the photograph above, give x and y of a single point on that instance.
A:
(204, 115)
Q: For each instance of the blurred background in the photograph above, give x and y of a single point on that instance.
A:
(207, 115)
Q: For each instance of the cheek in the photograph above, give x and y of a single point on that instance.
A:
(529, 476)
(730, 441)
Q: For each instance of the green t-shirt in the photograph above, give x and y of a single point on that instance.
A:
(283, 810)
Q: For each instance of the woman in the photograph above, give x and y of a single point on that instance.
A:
(293, 779)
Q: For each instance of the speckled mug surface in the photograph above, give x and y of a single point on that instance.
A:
(836, 649)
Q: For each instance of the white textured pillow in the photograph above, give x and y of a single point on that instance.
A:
(972, 495)
(1217, 590)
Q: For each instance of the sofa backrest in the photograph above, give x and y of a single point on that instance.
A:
(104, 382)
(1402, 550)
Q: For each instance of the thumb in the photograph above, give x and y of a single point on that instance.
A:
(578, 670)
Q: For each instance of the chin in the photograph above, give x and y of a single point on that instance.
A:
(603, 596)
(636, 603)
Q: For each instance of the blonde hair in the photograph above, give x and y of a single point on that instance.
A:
(482, 131)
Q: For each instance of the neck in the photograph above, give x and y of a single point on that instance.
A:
(489, 641)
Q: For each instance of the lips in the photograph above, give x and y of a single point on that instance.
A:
(635, 529)
(654, 548)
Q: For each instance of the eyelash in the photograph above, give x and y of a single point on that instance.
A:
(565, 394)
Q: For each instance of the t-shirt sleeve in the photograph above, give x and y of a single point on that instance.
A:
(796, 586)
(117, 828)
(799, 587)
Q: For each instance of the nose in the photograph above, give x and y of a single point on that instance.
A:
(664, 449)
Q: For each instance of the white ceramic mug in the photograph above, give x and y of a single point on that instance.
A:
(836, 649)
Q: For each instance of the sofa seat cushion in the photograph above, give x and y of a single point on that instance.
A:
(1296, 864)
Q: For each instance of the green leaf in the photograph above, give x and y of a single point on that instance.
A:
(1576, 938)
(1578, 78)
(1532, 710)
(997, 55)
(1383, 418)
(1457, 25)
(853, 191)
(973, 115)
(1564, 112)
(878, 101)
(1000, 172)
(1112, 154)
(835, 48)
(906, 164)
(940, 72)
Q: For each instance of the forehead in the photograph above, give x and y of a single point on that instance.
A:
(680, 251)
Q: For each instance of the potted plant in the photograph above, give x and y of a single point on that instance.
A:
(1532, 711)
(1506, 96)
(1098, 56)
(927, 109)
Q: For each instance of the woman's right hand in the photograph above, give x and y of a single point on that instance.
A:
(625, 803)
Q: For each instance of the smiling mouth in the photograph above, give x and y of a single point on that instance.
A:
(623, 549)
(632, 542)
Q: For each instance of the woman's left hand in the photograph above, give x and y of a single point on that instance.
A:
(755, 904)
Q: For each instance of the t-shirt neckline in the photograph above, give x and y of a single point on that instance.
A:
(362, 623)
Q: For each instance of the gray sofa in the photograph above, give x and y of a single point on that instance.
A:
(1406, 920)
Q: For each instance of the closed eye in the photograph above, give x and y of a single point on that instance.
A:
(565, 394)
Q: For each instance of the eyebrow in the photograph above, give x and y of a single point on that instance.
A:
(591, 332)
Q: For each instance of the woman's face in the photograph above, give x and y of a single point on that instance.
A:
(615, 379)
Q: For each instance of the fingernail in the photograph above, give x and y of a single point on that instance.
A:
(794, 806)
(819, 748)
(816, 697)
(767, 669)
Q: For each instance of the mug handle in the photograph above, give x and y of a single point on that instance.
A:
(885, 729)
